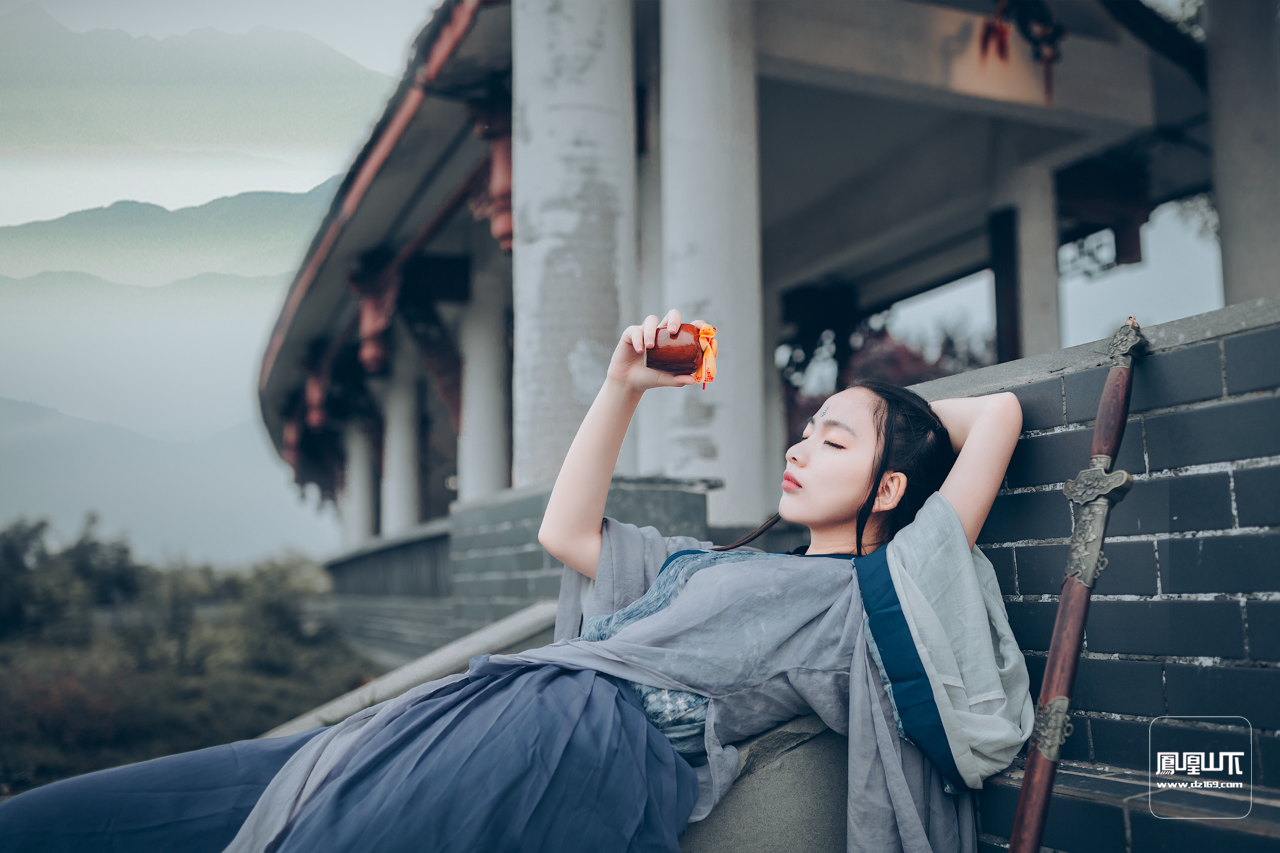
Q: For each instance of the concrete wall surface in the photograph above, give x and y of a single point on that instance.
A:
(790, 794)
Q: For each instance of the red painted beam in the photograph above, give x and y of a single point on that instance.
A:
(447, 40)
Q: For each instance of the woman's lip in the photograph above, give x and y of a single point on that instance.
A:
(789, 482)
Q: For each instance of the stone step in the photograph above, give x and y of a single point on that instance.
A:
(1102, 809)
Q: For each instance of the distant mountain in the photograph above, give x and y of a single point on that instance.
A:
(251, 234)
(227, 499)
(67, 91)
(172, 362)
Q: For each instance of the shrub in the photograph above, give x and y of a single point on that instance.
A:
(182, 658)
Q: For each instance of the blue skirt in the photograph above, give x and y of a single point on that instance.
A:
(514, 757)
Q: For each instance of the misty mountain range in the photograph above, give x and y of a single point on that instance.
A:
(131, 335)
(226, 499)
(67, 91)
(177, 362)
(250, 234)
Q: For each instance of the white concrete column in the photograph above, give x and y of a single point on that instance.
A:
(651, 418)
(1244, 105)
(573, 194)
(400, 417)
(1030, 189)
(711, 247)
(482, 441)
(356, 502)
(773, 407)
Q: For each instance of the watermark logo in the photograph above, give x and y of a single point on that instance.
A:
(1190, 759)
(1193, 763)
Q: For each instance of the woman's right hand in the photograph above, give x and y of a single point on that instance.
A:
(627, 367)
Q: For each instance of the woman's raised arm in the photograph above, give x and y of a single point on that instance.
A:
(571, 525)
(984, 432)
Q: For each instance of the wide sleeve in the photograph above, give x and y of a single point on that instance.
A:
(950, 598)
(630, 559)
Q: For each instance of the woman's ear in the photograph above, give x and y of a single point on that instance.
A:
(892, 488)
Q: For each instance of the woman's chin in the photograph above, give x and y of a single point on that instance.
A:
(789, 510)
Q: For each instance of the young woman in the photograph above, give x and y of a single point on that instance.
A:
(615, 739)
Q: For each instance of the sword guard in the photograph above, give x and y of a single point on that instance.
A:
(1092, 483)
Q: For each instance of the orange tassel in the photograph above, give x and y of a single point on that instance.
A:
(706, 371)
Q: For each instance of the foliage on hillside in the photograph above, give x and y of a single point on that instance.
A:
(104, 661)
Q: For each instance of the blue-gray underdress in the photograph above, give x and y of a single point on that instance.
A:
(513, 757)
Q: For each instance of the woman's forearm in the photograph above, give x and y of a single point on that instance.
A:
(984, 432)
(959, 414)
(571, 524)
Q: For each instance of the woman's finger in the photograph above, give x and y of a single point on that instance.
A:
(672, 321)
(650, 330)
(634, 336)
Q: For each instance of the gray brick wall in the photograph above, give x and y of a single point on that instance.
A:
(1185, 620)
(402, 598)
(498, 563)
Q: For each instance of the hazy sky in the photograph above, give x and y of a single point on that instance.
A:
(375, 33)
(207, 375)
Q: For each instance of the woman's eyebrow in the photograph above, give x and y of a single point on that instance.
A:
(832, 422)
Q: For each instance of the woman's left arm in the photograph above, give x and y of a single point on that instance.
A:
(984, 432)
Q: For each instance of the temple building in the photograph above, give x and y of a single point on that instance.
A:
(550, 171)
(547, 173)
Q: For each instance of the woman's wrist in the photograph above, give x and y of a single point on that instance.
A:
(959, 414)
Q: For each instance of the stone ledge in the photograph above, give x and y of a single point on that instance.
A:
(756, 753)
(1128, 790)
(1165, 336)
(528, 626)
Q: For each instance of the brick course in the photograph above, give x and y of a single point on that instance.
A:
(1185, 620)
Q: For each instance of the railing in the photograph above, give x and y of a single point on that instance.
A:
(529, 628)
(415, 564)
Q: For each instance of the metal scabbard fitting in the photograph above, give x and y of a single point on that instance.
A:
(1095, 490)
(1127, 343)
(1052, 728)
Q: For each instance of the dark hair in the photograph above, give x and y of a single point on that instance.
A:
(912, 441)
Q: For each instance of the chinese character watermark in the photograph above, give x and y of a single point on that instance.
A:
(1193, 763)
(1189, 757)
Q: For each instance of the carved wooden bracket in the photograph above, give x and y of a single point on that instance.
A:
(378, 295)
(315, 395)
(290, 436)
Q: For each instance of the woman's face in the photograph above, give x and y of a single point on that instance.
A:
(830, 468)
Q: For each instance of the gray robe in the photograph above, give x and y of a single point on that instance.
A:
(773, 637)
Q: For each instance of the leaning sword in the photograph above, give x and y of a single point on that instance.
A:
(1093, 491)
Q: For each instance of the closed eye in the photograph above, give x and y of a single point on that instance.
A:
(833, 444)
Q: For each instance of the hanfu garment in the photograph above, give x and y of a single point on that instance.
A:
(508, 757)
(926, 680)
(909, 653)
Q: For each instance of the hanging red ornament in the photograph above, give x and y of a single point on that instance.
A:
(996, 31)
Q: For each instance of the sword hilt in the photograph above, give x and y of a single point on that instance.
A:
(1113, 408)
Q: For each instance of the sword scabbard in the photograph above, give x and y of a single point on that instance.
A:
(1093, 492)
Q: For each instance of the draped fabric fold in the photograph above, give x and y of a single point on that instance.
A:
(767, 638)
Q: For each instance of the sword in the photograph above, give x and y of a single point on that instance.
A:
(1093, 492)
